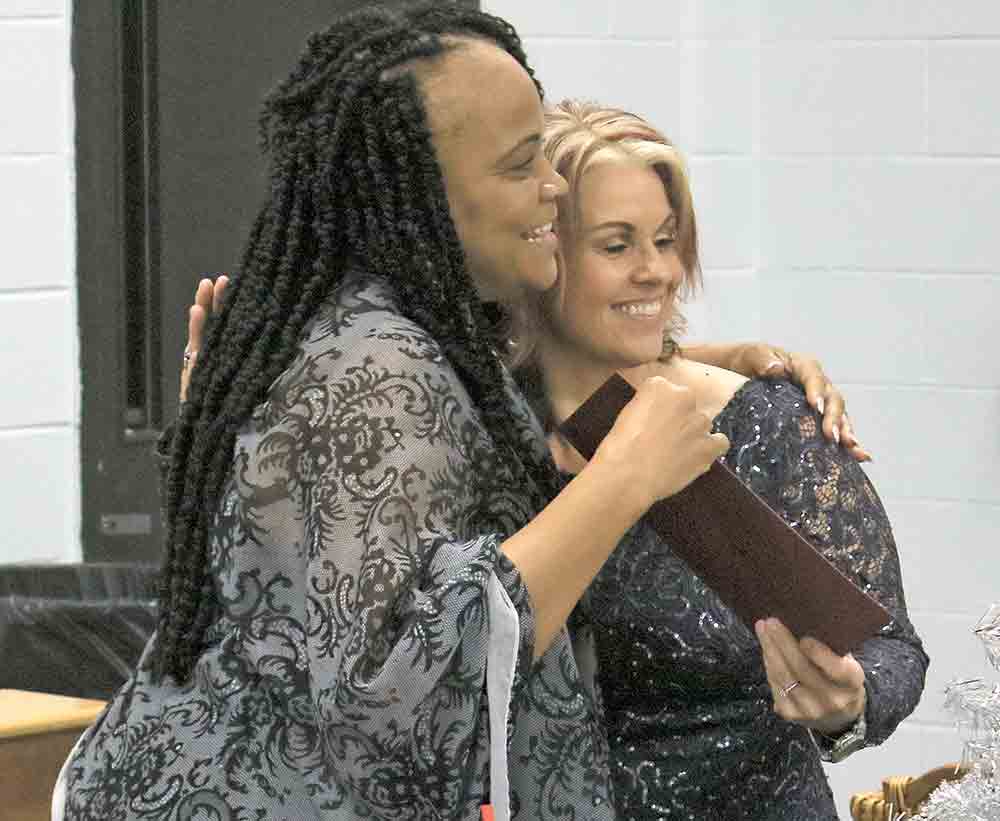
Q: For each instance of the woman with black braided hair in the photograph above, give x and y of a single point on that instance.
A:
(368, 566)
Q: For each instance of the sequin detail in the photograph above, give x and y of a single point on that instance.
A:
(691, 727)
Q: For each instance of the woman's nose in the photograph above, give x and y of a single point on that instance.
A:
(654, 266)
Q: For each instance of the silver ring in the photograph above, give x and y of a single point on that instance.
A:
(786, 690)
(187, 357)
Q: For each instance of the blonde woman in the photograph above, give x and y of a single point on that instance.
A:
(706, 717)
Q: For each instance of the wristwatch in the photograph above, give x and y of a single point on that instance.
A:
(837, 748)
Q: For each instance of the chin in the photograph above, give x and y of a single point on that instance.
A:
(639, 361)
(624, 360)
(544, 276)
(649, 354)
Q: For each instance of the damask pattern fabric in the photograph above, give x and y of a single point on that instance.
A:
(690, 717)
(358, 563)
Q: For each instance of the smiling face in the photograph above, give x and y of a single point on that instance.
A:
(486, 119)
(621, 272)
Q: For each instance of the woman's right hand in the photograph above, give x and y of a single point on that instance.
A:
(662, 439)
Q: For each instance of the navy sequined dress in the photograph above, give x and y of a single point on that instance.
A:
(690, 719)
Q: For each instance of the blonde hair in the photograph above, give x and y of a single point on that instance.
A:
(577, 135)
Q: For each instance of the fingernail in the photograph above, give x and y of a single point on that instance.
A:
(776, 363)
(820, 405)
(836, 435)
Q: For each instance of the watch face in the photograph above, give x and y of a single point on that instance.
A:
(849, 742)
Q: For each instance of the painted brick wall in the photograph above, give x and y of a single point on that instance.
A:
(39, 362)
(845, 158)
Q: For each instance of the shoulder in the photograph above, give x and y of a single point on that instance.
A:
(361, 320)
(360, 340)
(367, 373)
(770, 426)
(713, 387)
(768, 407)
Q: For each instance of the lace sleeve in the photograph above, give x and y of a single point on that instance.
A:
(414, 613)
(827, 496)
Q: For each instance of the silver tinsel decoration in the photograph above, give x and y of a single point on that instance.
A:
(988, 631)
(976, 705)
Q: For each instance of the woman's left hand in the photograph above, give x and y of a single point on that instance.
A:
(811, 684)
(771, 362)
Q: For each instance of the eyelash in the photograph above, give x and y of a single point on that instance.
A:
(524, 167)
(663, 243)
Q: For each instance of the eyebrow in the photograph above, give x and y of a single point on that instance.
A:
(535, 139)
(670, 221)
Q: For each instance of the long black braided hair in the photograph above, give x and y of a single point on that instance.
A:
(353, 177)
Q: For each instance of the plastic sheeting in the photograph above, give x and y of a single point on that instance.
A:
(74, 630)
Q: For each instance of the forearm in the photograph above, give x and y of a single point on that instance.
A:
(721, 355)
(895, 669)
(562, 549)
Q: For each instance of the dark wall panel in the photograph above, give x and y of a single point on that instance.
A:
(169, 178)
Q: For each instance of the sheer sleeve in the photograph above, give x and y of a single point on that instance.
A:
(819, 489)
(418, 630)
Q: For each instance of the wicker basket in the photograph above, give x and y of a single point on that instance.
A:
(901, 796)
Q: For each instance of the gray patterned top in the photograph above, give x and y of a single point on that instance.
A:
(366, 611)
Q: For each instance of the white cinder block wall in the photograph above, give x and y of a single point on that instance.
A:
(39, 361)
(845, 156)
(845, 159)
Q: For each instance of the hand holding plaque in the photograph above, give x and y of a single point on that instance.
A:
(757, 564)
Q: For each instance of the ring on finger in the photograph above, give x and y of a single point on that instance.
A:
(789, 687)
(188, 355)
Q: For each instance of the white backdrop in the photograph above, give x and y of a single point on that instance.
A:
(39, 348)
(845, 160)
